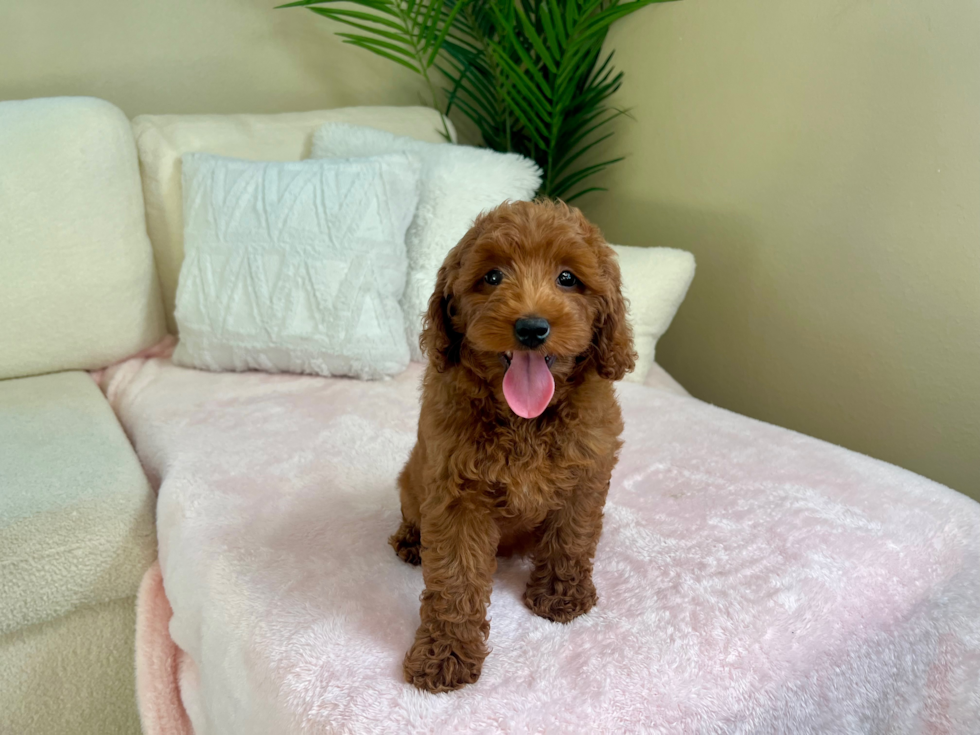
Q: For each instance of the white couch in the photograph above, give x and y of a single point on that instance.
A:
(90, 246)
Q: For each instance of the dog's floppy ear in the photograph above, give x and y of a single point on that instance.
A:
(613, 337)
(439, 340)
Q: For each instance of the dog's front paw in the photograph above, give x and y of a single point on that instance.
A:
(560, 601)
(442, 664)
(406, 542)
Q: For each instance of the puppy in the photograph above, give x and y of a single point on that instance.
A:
(519, 428)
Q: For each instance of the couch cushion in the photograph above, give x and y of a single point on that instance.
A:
(78, 289)
(76, 510)
(655, 282)
(73, 674)
(163, 139)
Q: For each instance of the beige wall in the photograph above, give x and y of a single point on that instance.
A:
(822, 161)
(182, 56)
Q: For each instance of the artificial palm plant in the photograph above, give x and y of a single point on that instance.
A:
(530, 74)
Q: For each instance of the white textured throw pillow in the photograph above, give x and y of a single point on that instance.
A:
(655, 281)
(458, 182)
(295, 267)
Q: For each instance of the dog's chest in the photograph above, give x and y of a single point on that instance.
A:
(527, 472)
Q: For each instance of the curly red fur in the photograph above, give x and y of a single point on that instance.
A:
(482, 481)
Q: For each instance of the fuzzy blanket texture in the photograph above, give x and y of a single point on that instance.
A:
(751, 580)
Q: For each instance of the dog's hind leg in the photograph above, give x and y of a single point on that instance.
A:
(406, 541)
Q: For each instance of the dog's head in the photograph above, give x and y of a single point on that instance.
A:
(530, 298)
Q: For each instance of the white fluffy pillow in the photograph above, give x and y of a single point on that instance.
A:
(458, 182)
(655, 281)
(296, 266)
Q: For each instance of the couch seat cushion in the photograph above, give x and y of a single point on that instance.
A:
(76, 510)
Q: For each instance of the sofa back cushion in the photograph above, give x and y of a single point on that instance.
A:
(77, 285)
(163, 139)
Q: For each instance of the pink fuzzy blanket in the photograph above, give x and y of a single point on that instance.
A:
(751, 579)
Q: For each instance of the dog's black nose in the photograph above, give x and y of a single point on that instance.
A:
(531, 331)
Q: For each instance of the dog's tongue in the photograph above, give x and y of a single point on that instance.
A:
(528, 384)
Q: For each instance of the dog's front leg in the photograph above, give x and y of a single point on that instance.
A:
(561, 587)
(459, 545)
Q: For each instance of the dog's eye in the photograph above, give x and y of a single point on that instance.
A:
(494, 277)
(567, 279)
